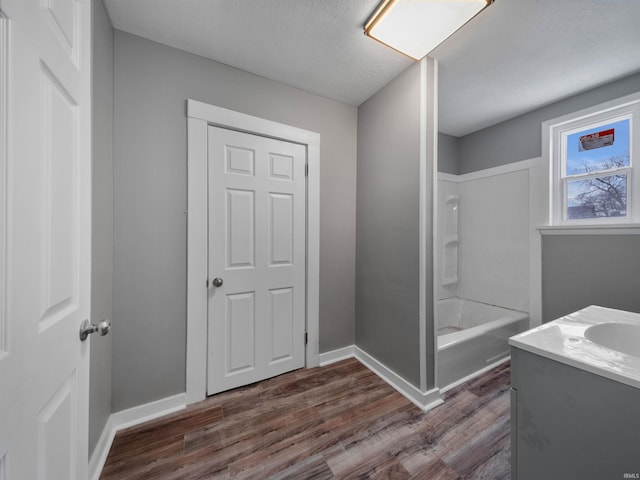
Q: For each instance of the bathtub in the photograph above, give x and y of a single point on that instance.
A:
(472, 336)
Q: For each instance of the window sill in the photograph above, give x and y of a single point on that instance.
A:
(609, 229)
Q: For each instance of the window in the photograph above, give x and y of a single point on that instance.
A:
(595, 164)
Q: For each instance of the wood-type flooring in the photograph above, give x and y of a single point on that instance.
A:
(335, 422)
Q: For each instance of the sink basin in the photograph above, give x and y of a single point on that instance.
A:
(622, 337)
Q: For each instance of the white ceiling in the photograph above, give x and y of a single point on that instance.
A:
(515, 56)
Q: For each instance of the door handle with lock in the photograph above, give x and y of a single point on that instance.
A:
(87, 328)
(217, 282)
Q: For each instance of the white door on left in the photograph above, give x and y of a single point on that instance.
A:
(45, 238)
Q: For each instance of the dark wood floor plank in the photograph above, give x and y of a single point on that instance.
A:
(335, 422)
(497, 467)
(313, 468)
(253, 449)
(485, 444)
(436, 469)
(303, 443)
(463, 433)
(374, 466)
(145, 438)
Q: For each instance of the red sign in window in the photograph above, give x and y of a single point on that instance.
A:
(596, 140)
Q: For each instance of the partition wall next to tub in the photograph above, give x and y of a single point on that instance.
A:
(482, 270)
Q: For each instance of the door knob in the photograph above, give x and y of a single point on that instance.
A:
(217, 282)
(87, 328)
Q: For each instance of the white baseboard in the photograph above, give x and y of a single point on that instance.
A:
(143, 413)
(101, 451)
(424, 400)
(128, 418)
(337, 355)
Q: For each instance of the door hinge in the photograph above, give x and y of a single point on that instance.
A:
(306, 338)
(306, 170)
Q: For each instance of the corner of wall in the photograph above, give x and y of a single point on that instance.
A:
(102, 220)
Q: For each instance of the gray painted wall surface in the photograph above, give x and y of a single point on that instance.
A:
(430, 130)
(102, 221)
(152, 83)
(448, 153)
(387, 323)
(583, 270)
(521, 138)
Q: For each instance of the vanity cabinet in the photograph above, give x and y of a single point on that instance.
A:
(568, 423)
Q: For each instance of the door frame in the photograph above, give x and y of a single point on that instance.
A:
(199, 117)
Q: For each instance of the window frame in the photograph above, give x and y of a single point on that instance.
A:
(555, 133)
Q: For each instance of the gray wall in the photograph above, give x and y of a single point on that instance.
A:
(583, 270)
(431, 134)
(521, 138)
(102, 226)
(152, 82)
(448, 153)
(387, 322)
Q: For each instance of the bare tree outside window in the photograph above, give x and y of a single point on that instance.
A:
(602, 196)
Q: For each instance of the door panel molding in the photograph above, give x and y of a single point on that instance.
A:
(59, 127)
(57, 435)
(63, 20)
(199, 117)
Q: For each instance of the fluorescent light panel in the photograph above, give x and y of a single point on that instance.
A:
(415, 27)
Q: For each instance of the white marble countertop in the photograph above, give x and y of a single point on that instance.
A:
(564, 340)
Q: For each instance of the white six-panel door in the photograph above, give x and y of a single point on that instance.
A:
(45, 244)
(257, 209)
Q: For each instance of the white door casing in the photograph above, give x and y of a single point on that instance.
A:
(44, 367)
(200, 117)
(257, 212)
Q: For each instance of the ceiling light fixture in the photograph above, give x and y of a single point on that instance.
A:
(415, 27)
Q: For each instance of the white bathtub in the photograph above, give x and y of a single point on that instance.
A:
(473, 336)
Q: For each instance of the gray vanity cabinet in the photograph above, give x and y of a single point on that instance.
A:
(568, 423)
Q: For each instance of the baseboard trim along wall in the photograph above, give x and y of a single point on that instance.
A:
(423, 400)
(149, 411)
(337, 355)
(129, 418)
